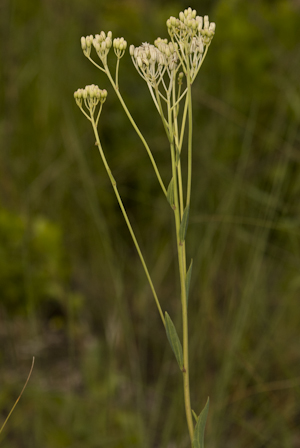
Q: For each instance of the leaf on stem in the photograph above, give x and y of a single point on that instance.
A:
(174, 340)
(198, 441)
(195, 415)
(184, 224)
(188, 281)
(170, 194)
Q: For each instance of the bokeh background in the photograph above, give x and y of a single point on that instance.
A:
(72, 291)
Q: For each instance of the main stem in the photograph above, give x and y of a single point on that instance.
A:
(182, 274)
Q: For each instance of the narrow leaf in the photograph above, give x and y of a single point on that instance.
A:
(195, 415)
(198, 441)
(170, 193)
(188, 281)
(174, 340)
(184, 224)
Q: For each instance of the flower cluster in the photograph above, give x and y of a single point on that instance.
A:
(91, 96)
(120, 46)
(190, 36)
(193, 34)
(102, 43)
(189, 25)
(152, 61)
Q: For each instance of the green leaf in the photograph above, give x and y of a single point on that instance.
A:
(198, 441)
(195, 415)
(174, 340)
(170, 193)
(184, 224)
(188, 281)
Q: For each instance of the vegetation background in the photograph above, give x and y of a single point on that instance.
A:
(73, 293)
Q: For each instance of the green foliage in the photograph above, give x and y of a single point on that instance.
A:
(184, 224)
(31, 256)
(174, 340)
(200, 427)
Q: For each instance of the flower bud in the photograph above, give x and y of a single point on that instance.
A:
(108, 42)
(131, 50)
(173, 21)
(181, 16)
(206, 22)
(109, 35)
(161, 59)
(116, 43)
(212, 27)
(153, 54)
(96, 45)
(199, 20)
(83, 43)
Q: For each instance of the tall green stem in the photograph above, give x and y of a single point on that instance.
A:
(114, 185)
(182, 274)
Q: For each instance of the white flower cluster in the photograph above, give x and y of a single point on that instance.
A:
(193, 34)
(102, 43)
(120, 46)
(152, 61)
(91, 95)
(190, 35)
(189, 25)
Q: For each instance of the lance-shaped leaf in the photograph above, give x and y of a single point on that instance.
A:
(195, 415)
(174, 340)
(184, 224)
(170, 193)
(198, 441)
(188, 281)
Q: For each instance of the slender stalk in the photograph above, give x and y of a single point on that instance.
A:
(190, 136)
(182, 274)
(136, 128)
(17, 400)
(114, 185)
(117, 73)
(175, 113)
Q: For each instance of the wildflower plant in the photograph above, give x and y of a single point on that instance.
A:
(169, 67)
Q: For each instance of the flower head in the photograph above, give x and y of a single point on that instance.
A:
(90, 96)
(193, 34)
(120, 46)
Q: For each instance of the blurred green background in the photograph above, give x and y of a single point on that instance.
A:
(73, 293)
